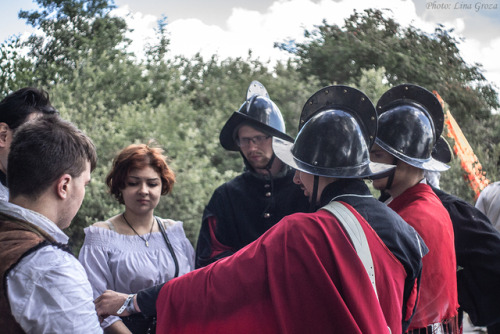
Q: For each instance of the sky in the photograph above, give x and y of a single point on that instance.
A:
(230, 28)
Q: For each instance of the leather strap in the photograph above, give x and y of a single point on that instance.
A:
(356, 234)
(169, 246)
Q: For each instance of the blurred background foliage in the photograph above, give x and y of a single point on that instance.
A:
(80, 57)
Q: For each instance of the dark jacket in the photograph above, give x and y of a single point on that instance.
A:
(241, 210)
(477, 247)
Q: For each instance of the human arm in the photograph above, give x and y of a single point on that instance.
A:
(95, 259)
(144, 301)
(49, 292)
(117, 327)
(209, 249)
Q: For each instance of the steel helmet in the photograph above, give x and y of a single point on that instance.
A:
(339, 127)
(442, 151)
(409, 124)
(259, 112)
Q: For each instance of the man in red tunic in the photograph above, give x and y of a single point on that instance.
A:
(321, 272)
(410, 122)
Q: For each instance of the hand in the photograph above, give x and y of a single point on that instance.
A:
(109, 303)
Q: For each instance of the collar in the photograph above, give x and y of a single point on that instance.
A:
(283, 172)
(344, 188)
(388, 200)
(34, 218)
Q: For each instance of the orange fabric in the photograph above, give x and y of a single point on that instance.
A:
(469, 162)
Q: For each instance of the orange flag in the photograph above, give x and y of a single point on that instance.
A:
(470, 164)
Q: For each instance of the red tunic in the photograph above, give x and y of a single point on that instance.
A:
(423, 210)
(302, 276)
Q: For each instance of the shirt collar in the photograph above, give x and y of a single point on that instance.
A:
(34, 218)
(344, 187)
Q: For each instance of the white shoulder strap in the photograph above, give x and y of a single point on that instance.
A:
(357, 236)
(110, 225)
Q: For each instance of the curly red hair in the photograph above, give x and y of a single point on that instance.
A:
(138, 156)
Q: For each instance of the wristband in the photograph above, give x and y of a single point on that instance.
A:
(130, 307)
(125, 306)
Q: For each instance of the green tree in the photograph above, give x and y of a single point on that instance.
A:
(16, 67)
(71, 30)
(372, 41)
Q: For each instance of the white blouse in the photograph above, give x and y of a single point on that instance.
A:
(125, 264)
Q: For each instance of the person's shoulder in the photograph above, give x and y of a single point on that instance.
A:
(102, 224)
(50, 258)
(234, 184)
(492, 188)
(108, 224)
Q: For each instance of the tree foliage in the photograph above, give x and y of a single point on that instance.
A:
(71, 30)
(183, 103)
(371, 40)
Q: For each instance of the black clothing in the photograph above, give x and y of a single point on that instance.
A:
(244, 208)
(3, 178)
(146, 299)
(477, 247)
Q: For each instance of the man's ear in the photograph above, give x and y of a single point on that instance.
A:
(62, 186)
(4, 132)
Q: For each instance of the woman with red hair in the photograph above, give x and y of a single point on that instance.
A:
(135, 249)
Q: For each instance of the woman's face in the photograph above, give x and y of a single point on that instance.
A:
(142, 190)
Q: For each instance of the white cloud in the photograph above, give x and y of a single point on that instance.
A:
(287, 19)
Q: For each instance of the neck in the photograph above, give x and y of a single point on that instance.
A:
(3, 166)
(142, 220)
(276, 167)
(407, 178)
(40, 206)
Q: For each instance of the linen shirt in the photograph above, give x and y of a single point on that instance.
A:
(48, 290)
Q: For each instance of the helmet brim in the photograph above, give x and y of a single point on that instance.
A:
(227, 138)
(442, 151)
(344, 98)
(430, 164)
(283, 150)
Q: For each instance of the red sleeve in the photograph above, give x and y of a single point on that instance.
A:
(217, 247)
(208, 248)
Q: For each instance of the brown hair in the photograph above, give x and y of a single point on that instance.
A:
(44, 149)
(138, 156)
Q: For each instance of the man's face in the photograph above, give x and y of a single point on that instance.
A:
(377, 154)
(256, 146)
(75, 196)
(306, 183)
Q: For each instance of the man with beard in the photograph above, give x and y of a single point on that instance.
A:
(242, 209)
